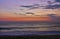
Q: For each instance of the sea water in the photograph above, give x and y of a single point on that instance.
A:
(16, 28)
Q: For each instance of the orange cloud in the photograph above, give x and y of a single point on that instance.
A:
(26, 19)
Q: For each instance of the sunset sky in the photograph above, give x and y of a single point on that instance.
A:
(10, 9)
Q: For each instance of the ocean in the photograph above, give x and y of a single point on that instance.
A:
(29, 28)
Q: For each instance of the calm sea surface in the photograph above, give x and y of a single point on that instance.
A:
(22, 28)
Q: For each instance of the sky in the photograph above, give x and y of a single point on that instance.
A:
(8, 8)
(13, 5)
